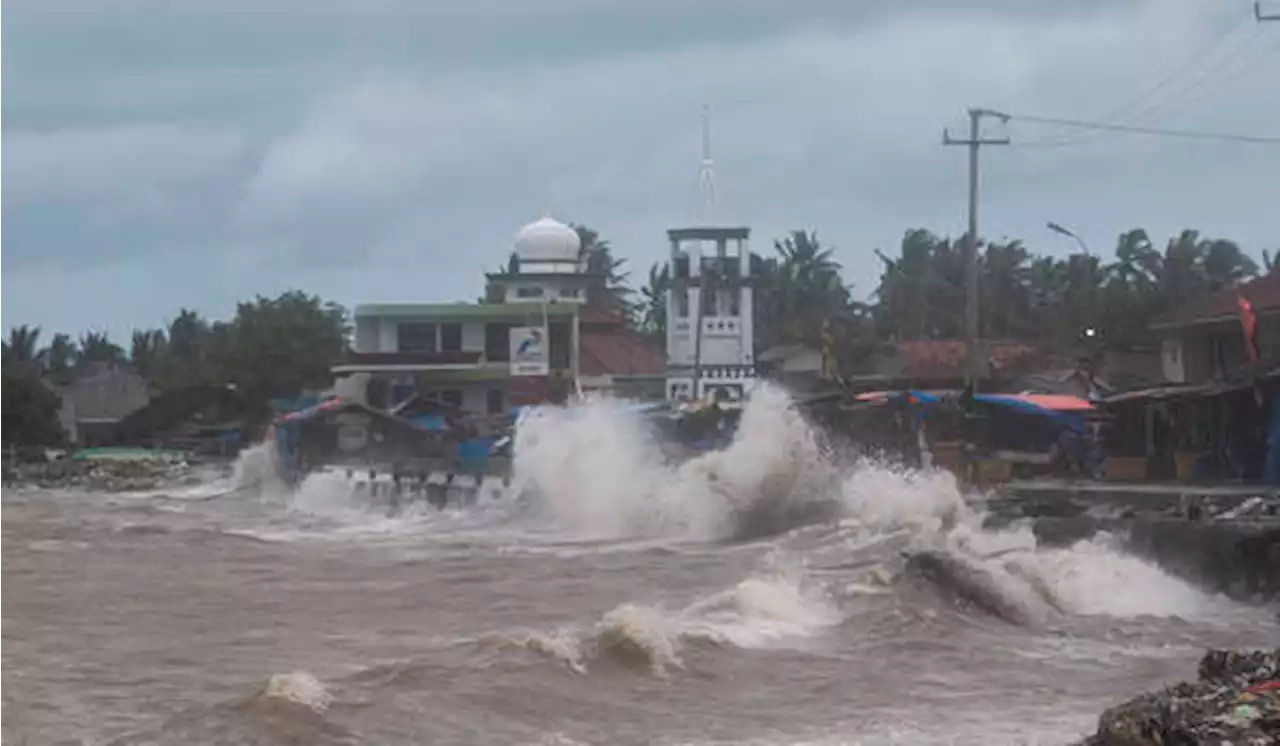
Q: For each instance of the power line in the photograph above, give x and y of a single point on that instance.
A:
(1150, 100)
(1155, 131)
(1162, 108)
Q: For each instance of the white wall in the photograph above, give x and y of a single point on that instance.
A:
(1171, 361)
(473, 336)
(475, 399)
(367, 334)
(387, 335)
(730, 345)
(552, 291)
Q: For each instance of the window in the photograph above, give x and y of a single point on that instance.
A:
(730, 299)
(497, 342)
(682, 302)
(416, 337)
(529, 291)
(559, 354)
(709, 295)
(451, 337)
(495, 399)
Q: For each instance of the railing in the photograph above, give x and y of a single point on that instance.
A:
(413, 358)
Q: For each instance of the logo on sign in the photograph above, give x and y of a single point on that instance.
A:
(529, 351)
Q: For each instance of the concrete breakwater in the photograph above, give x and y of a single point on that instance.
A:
(1240, 559)
(1224, 538)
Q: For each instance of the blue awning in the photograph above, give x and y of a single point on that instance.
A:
(433, 422)
(1074, 420)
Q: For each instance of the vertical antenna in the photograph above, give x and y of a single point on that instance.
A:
(706, 172)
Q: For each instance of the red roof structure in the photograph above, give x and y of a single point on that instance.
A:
(1263, 294)
(936, 359)
(608, 348)
(595, 316)
(619, 353)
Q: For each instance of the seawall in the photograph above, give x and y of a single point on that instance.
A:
(1172, 525)
(1240, 559)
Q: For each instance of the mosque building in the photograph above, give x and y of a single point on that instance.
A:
(538, 336)
(535, 339)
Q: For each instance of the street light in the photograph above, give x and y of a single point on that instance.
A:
(1063, 231)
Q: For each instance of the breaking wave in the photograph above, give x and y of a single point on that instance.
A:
(595, 472)
(763, 611)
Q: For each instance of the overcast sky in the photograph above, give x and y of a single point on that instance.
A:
(161, 154)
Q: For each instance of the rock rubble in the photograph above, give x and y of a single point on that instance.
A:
(108, 475)
(1235, 700)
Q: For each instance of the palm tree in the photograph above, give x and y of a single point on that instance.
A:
(60, 357)
(902, 297)
(805, 286)
(1225, 265)
(1006, 300)
(147, 351)
(654, 304)
(1137, 262)
(1182, 272)
(609, 287)
(23, 345)
(96, 347)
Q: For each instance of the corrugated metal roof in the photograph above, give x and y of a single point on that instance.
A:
(1184, 391)
(1263, 293)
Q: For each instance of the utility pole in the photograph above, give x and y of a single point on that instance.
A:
(975, 142)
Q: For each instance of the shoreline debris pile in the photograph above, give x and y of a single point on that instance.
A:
(1235, 700)
(106, 471)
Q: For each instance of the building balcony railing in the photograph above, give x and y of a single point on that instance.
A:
(415, 358)
(357, 361)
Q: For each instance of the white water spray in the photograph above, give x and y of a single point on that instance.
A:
(599, 474)
(596, 472)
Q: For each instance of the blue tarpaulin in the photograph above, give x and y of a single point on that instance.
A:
(432, 422)
(298, 404)
(473, 454)
(1073, 420)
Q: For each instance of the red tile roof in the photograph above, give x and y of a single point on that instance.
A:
(598, 316)
(619, 353)
(1263, 293)
(945, 358)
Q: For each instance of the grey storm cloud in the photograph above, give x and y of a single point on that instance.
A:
(388, 150)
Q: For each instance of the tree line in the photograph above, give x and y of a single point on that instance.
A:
(921, 291)
(270, 347)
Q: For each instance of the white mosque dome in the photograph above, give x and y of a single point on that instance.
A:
(548, 240)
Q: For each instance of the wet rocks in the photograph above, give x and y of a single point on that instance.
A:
(1235, 700)
(108, 475)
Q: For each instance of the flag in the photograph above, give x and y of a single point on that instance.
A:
(1249, 320)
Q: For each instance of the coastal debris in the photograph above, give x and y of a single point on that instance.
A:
(108, 471)
(1235, 700)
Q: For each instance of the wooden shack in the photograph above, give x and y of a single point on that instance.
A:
(339, 432)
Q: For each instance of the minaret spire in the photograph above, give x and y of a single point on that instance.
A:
(706, 172)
